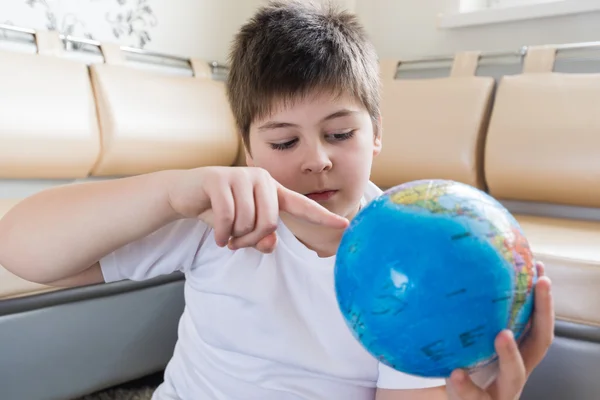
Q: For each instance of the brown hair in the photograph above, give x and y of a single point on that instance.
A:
(290, 48)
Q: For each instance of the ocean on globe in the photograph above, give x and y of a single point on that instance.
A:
(430, 272)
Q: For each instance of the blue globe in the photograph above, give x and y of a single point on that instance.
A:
(429, 273)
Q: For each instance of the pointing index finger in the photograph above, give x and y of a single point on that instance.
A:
(302, 207)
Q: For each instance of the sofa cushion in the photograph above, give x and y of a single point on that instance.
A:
(570, 250)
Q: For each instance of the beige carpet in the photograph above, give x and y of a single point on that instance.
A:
(121, 394)
(139, 389)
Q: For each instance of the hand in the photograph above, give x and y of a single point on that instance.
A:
(242, 204)
(514, 364)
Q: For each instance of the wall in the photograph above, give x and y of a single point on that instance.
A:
(198, 28)
(407, 29)
(205, 28)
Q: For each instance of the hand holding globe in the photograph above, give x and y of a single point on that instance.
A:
(432, 274)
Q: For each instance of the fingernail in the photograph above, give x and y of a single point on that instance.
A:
(509, 338)
(510, 342)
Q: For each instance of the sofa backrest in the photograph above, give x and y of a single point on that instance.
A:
(434, 128)
(543, 141)
(48, 123)
(151, 121)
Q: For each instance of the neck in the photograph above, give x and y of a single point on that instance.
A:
(322, 240)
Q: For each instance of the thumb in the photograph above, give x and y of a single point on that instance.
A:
(264, 245)
(461, 386)
(267, 244)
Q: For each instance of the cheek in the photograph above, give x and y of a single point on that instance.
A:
(281, 170)
(285, 177)
(357, 157)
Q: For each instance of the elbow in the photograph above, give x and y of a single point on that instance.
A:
(16, 261)
(25, 271)
(6, 255)
(21, 269)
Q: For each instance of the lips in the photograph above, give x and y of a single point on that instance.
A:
(322, 195)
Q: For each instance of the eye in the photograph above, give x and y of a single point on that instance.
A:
(284, 146)
(342, 136)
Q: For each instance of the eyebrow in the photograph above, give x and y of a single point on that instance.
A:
(276, 124)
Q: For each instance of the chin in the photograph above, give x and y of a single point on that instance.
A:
(346, 210)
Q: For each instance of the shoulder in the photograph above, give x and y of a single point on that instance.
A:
(172, 247)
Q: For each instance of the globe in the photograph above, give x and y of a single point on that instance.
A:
(429, 273)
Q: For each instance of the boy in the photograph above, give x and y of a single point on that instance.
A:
(257, 244)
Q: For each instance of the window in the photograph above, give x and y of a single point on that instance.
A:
(485, 12)
(478, 5)
(495, 4)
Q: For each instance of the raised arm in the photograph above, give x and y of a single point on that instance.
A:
(60, 233)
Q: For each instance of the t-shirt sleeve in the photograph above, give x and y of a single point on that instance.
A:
(390, 378)
(171, 248)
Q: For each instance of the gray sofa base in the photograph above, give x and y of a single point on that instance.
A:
(571, 369)
(65, 344)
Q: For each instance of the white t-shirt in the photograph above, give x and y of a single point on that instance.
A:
(255, 326)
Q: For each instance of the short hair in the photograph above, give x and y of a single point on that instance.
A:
(292, 48)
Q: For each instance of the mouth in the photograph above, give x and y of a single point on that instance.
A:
(322, 195)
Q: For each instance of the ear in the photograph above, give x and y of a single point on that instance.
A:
(377, 137)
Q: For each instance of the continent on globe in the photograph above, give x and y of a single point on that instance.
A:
(430, 272)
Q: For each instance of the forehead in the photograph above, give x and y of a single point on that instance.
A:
(315, 106)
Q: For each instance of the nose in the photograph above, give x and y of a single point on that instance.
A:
(316, 160)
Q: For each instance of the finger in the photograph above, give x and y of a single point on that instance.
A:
(540, 338)
(267, 244)
(302, 207)
(462, 387)
(512, 374)
(541, 269)
(267, 215)
(223, 213)
(242, 188)
(264, 245)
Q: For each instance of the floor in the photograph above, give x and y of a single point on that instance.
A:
(140, 389)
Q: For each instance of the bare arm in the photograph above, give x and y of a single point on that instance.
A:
(58, 236)
(62, 232)
(436, 393)
(89, 276)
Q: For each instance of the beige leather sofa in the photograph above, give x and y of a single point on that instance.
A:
(63, 121)
(528, 137)
(532, 140)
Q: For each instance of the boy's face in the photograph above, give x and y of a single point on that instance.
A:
(320, 146)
